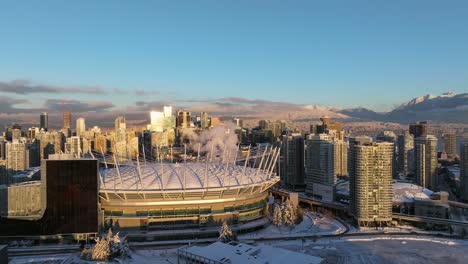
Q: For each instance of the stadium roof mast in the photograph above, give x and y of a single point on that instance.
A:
(118, 170)
(226, 159)
(275, 161)
(143, 151)
(261, 161)
(185, 164)
(104, 158)
(198, 153)
(246, 161)
(139, 172)
(162, 172)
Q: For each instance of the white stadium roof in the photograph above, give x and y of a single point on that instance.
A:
(181, 176)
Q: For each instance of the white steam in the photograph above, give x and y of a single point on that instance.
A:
(219, 143)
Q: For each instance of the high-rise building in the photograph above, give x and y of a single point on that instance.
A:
(293, 161)
(327, 124)
(9, 131)
(44, 121)
(418, 129)
(73, 146)
(157, 121)
(405, 155)
(264, 124)
(340, 157)
(464, 169)
(450, 147)
(425, 153)
(238, 122)
(319, 167)
(77, 180)
(50, 143)
(183, 119)
(66, 120)
(32, 131)
(167, 111)
(120, 123)
(372, 189)
(3, 149)
(80, 127)
(353, 142)
(389, 136)
(15, 135)
(17, 156)
(204, 120)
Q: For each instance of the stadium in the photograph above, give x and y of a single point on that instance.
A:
(152, 195)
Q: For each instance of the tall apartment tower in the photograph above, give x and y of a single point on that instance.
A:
(320, 165)
(183, 119)
(32, 132)
(450, 147)
(73, 146)
(425, 155)
(119, 123)
(389, 136)
(372, 189)
(15, 135)
(293, 161)
(418, 129)
(353, 142)
(66, 120)
(341, 157)
(80, 126)
(44, 121)
(157, 121)
(17, 156)
(204, 120)
(167, 111)
(464, 169)
(405, 155)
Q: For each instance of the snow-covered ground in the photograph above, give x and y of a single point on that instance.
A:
(363, 249)
(406, 192)
(460, 215)
(312, 224)
(389, 249)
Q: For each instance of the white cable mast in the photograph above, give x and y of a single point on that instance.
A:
(104, 158)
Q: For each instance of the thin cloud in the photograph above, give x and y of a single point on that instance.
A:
(142, 92)
(24, 87)
(77, 106)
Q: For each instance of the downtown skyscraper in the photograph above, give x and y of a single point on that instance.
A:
(320, 167)
(425, 155)
(44, 121)
(293, 161)
(464, 170)
(372, 189)
(80, 126)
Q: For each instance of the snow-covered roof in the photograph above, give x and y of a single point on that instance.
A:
(240, 253)
(406, 192)
(173, 176)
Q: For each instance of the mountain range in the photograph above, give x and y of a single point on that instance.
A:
(447, 107)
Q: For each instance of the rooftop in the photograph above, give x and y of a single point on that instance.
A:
(240, 253)
(177, 176)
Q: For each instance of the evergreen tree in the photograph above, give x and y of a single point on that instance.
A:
(225, 233)
(277, 216)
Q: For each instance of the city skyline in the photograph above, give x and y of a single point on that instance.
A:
(301, 54)
(247, 131)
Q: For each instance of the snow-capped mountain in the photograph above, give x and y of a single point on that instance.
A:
(425, 98)
(448, 107)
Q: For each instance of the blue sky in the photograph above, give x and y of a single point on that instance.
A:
(334, 53)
